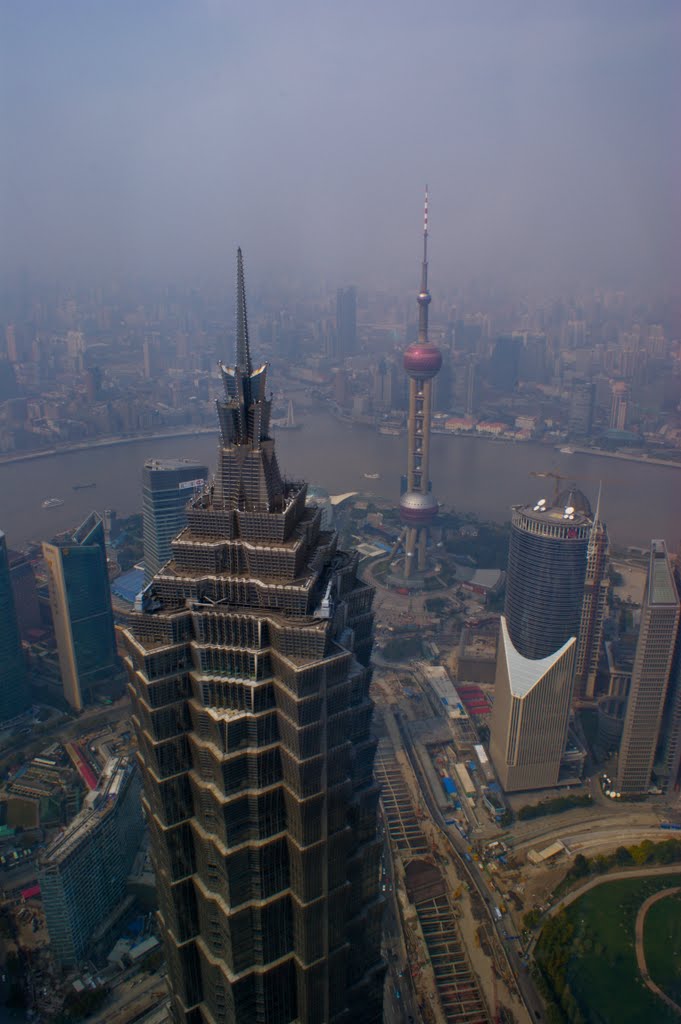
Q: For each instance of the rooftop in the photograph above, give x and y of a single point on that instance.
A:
(525, 673)
(661, 588)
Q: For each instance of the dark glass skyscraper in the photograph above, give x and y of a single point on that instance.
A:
(80, 600)
(547, 562)
(14, 694)
(346, 322)
(249, 669)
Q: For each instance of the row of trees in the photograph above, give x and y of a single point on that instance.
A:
(555, 806)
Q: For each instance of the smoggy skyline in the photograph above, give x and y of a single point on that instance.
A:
(152, 139)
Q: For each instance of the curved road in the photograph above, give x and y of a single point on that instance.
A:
(640, 952)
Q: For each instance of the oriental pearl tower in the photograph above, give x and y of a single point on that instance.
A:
(422, 361)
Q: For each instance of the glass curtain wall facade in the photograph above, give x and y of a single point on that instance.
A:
(650, 675)
(80, 600)
(249, 676)
(14, 692)
(547, 563)
(167, 487)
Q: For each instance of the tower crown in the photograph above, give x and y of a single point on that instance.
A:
(423, 360)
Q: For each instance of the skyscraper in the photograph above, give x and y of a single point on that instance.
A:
(167, 486)
(581, 414)
(14, 693)
(83, 872)
(619, 405)
(346, 322)
(530, 715)
(422, 361)
(594, 605)
(249, 669)
(669, 753)
(650, 676)
(80, 600)
(547, 561)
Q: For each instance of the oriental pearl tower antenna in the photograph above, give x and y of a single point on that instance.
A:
(422, 361)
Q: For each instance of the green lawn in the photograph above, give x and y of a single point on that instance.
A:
(602, 973)
(662, 944)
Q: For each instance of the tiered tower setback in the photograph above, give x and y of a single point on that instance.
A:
(249, 669)
(422, 361)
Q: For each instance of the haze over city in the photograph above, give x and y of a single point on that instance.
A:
(339, 518)
(149, 139)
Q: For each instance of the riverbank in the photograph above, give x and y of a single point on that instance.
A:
(110, 442)
(103, 442)
(647, 460)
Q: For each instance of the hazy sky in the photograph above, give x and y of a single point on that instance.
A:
(153, 136)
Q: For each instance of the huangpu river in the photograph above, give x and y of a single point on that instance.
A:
(639, 501)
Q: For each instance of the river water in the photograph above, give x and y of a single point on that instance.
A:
(473, 474)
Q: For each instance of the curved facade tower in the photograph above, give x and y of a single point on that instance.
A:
(422, 361)
(249, 677)
(547, 562)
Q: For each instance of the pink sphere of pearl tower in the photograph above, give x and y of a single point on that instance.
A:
(422, 361)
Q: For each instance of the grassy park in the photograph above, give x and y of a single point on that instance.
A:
(587, 962)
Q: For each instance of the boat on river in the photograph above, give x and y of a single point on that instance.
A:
(52, 502)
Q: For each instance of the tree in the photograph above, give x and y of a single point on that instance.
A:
(580, 868)
(623, 857)
(531, 919)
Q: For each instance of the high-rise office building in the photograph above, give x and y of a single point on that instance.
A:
(167, 487)
(14, 692)
(650, 675)
(422, 361)
(249, 669)
(619, 406)
(582, 403)
(80, 601)
(669, 753)
(547, 562)
(25, 591)
(83, 872)
(594, 606)
(346, 322)
(530, 715)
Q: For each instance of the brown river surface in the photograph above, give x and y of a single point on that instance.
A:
(472, 474)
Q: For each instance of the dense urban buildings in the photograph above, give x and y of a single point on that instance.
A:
(14, 693)
(547, 563)
(422, 361)
(82, 873)
(80, 601)
(530, 715)
(650, 675)
(249, 668)
(167, 486)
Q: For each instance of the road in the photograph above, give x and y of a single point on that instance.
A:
(640, 951)
(528, 993)
(614, 876)
(396, 1009)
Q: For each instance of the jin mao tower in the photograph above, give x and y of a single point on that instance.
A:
(249, 670)
(422, 361)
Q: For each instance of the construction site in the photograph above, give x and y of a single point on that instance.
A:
(457, 967)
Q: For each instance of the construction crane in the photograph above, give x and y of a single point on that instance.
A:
(557, 477)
